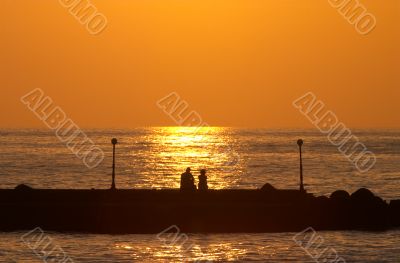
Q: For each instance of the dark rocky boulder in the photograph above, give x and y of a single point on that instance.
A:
(23, 187)
(268, 188)
(394, 213)
(367, 210)
(340, 196)
(362, 195)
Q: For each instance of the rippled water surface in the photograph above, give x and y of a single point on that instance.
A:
(351, 246)
(234, 158)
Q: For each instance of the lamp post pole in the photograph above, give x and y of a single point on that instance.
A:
(300, 143)
(114, 142)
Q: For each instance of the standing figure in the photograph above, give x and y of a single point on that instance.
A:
(187, 181)
(203, 180)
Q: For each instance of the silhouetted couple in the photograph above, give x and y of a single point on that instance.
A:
(188, 184)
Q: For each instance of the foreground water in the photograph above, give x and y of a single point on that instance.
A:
(234, 158)
(351, 246)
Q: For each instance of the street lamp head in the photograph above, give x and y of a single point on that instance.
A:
(299, 142)
(114, 141)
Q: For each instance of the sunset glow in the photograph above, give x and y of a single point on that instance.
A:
(240, 63)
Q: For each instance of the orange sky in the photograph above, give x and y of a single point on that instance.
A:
(237, 63)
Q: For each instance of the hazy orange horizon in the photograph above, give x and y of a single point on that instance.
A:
(236, 63)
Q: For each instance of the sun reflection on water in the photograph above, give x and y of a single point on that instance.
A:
(209, 148)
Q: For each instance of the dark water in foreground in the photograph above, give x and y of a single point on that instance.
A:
(234, 158)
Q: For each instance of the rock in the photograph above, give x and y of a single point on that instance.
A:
(23, 187)
(394, 209)
(268, 188)
(340, 196)
(362, 195)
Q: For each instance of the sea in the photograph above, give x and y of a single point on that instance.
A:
(154, 158)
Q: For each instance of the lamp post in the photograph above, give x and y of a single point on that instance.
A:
(300, 143)
(114, 142)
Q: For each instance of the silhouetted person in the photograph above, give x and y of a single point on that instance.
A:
(187, 181)
(203, 180)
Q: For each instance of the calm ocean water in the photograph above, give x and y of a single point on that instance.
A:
(234, 158)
